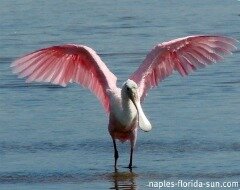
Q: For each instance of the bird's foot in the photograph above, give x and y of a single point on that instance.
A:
(116, 158)
(130, 166)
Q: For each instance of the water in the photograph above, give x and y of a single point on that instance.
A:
(56, 138)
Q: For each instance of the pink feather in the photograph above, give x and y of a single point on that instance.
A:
(68, 63)
(183, 55)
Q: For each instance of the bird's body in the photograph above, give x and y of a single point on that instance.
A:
(122, 130)
(122, 118)
(122, 109)
(77, 63)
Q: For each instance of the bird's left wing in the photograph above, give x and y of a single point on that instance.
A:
(68, 63)
(183, 55)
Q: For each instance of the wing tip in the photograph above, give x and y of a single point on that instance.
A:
(14, 63)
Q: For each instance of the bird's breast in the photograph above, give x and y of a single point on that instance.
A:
(124, 113)
(121, 131)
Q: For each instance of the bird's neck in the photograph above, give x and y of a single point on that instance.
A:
(123, 109)
(128, 112)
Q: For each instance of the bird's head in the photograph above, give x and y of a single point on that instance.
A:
(130, 91)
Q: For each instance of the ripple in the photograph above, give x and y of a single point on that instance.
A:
(26, 85)
(182, 146)
(119, 179)
(190, 146)
(111, 54)
(229, 82)
(25, 177)
(6, 59)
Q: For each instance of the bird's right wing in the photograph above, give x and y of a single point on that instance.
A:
(68, 63)
(183, 55)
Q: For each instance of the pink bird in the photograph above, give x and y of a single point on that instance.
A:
(63, 64)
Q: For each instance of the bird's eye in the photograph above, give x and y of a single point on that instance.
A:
(128, 89)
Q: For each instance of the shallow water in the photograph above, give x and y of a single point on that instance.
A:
(56, 138)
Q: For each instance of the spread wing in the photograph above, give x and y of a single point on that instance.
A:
(183, 55)
(68, 63)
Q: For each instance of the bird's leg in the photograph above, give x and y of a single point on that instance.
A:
(131, 156)
(115, 153)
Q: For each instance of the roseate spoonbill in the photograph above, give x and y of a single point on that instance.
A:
(66, 63)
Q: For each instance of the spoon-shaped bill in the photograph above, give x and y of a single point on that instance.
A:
(143, 122)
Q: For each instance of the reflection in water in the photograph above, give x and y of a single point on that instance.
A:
(123, 180)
